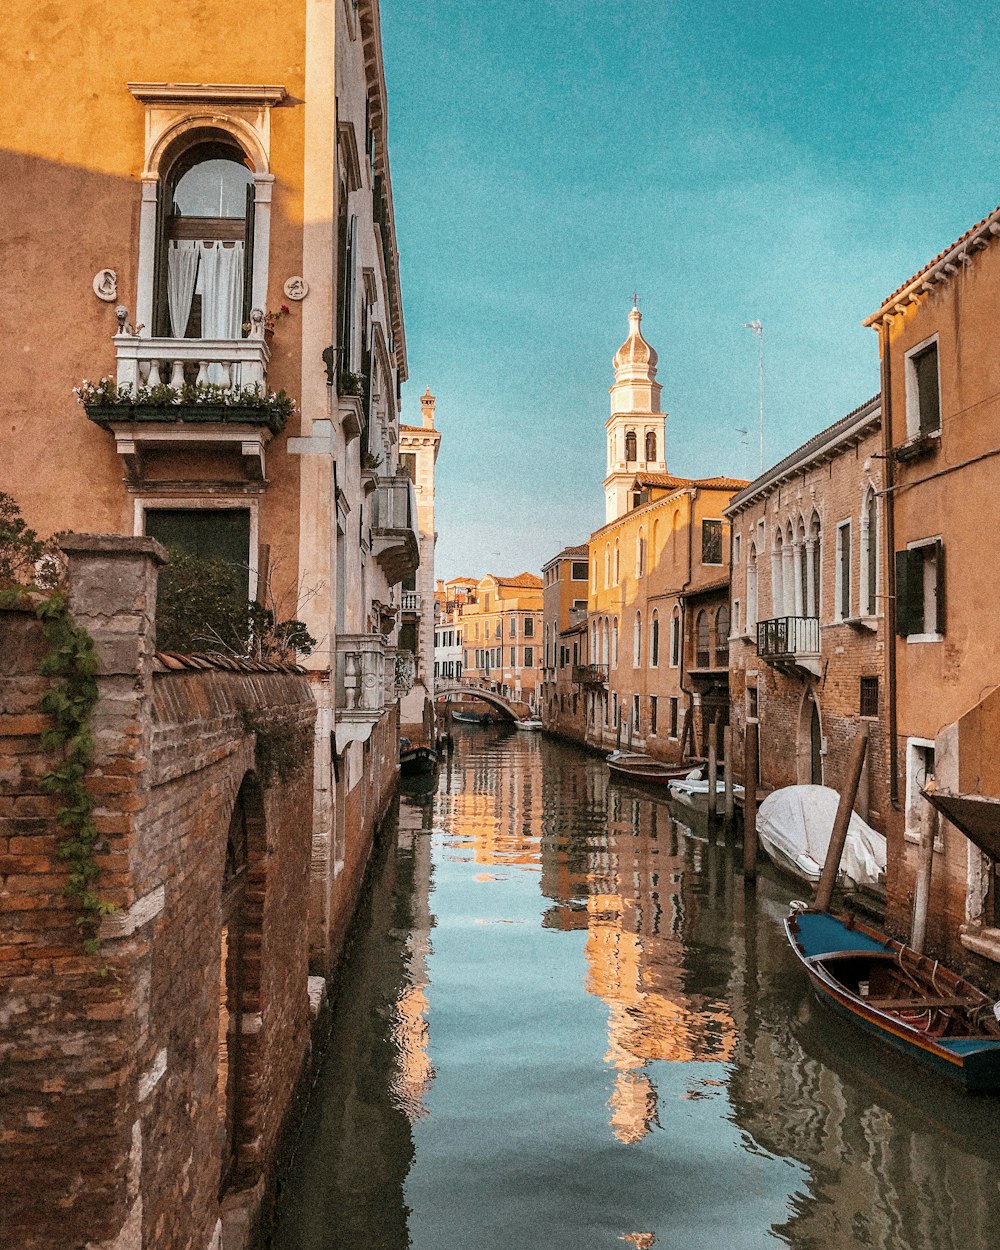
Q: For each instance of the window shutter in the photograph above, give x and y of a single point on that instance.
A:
(161, 316)
(248, 253)
(940, 599)
(904, 591)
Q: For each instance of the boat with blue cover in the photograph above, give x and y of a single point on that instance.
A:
(909, 1001)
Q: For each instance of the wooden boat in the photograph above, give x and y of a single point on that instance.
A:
(794, 826)
(530, 724)
(416, 758)
(471, 718)
(906, 1000)
(693, 792)
(633, 766)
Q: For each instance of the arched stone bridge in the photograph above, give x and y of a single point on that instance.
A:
(511, 708)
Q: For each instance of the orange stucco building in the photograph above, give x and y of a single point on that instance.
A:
(941, 414)
(502, 636)
(207, 224)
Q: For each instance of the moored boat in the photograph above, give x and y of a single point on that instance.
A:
(416, 758)
(530, 724)
(794, 826)
(907, 1000)
(633, 766)
(693, 792)
(471, 718)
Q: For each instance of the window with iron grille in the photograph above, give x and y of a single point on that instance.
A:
(869, 696)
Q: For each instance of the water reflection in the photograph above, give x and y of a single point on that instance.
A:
(606, 1042)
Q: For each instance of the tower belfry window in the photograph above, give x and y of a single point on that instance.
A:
(630, 447)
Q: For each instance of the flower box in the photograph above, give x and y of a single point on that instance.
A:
(231, 414)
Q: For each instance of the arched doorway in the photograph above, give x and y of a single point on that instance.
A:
(237, 918)
(809, 752)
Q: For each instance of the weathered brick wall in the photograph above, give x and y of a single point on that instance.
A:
(110, 1131)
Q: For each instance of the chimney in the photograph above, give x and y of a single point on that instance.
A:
(427, 402)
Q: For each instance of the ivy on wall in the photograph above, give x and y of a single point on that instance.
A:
(72, 662)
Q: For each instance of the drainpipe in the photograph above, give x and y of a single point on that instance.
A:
(890, 563)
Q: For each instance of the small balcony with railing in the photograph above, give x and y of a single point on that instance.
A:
(394, 527)
(410, 603)
(590, 675)
(360, 686)
(186, 394)
(790, 643)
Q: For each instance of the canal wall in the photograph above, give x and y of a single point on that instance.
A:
(146, 1088)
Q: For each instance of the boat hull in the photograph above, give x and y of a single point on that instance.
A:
(972, 1061)
(416, 761)
(651, 774)
(470, 718)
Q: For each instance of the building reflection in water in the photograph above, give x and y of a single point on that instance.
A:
(654, 978)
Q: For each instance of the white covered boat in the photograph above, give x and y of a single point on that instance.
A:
(530, 723)
(794, 827)
(692, 791)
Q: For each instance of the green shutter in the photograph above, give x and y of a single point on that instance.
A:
(906, 575)
(940, 600)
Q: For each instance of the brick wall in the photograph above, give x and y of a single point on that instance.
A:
(110, 1083)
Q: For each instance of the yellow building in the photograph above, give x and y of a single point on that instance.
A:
(502, 636)
(566, 580)
(651, 666)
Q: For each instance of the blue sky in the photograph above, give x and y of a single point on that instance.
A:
(792, 162)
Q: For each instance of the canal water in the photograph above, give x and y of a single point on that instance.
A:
(565, 1024)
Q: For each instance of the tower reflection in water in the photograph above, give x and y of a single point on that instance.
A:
(732, 1110)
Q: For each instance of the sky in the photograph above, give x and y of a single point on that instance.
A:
(792, 162)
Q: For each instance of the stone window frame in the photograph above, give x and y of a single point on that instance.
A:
(914, 430)
(204, 503)
(175, 111)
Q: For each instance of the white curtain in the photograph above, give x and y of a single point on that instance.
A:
(182, 271)
(220, 283)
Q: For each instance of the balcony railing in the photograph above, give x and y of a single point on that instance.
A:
(394, 527)
(410, 601)
(231, 363)
(590, 674)
(789, 640)
(360, 676)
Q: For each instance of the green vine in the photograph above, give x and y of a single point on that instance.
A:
(72, 660)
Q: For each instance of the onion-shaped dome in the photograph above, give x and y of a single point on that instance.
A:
(635, 353)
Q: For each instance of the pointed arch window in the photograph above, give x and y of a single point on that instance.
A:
(618, 566)
(869, 552)
(637, 640)
(722, 637)
(614, 642)
(675, 638)
(654, 640)
(752, 586)
(703, 652)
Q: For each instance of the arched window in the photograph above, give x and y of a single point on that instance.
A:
(637, 640)
(814, 590)
(640, 553)
(777, 574)
(605, 646)
(630, 447)
(650, 445)
(722, 637)
(801, 572)
(654, 640)
(703, 652)
(618, 563)
(614, 642)
(675, 638)
(869, 552)
(607, 566)
(205, 243)
(752, 587)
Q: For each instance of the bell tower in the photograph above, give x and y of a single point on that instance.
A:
(636, 428)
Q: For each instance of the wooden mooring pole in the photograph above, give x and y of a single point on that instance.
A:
(713, 779)
(828, 878)
(727, 772)
(750, 753)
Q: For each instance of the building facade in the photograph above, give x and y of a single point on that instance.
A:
(225, 230)
(807, 655)
(566, 579)
(418, 452)
(502, 636)
(940, 388)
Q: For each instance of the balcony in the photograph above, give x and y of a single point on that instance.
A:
(590, 674)
(790, 643)
(360, 688)
(186, 394)
(410, 602)
(394, 528)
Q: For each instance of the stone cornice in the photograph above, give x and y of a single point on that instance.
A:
(248, 94)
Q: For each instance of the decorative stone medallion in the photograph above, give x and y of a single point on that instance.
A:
(106, 285)
(296, 288)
